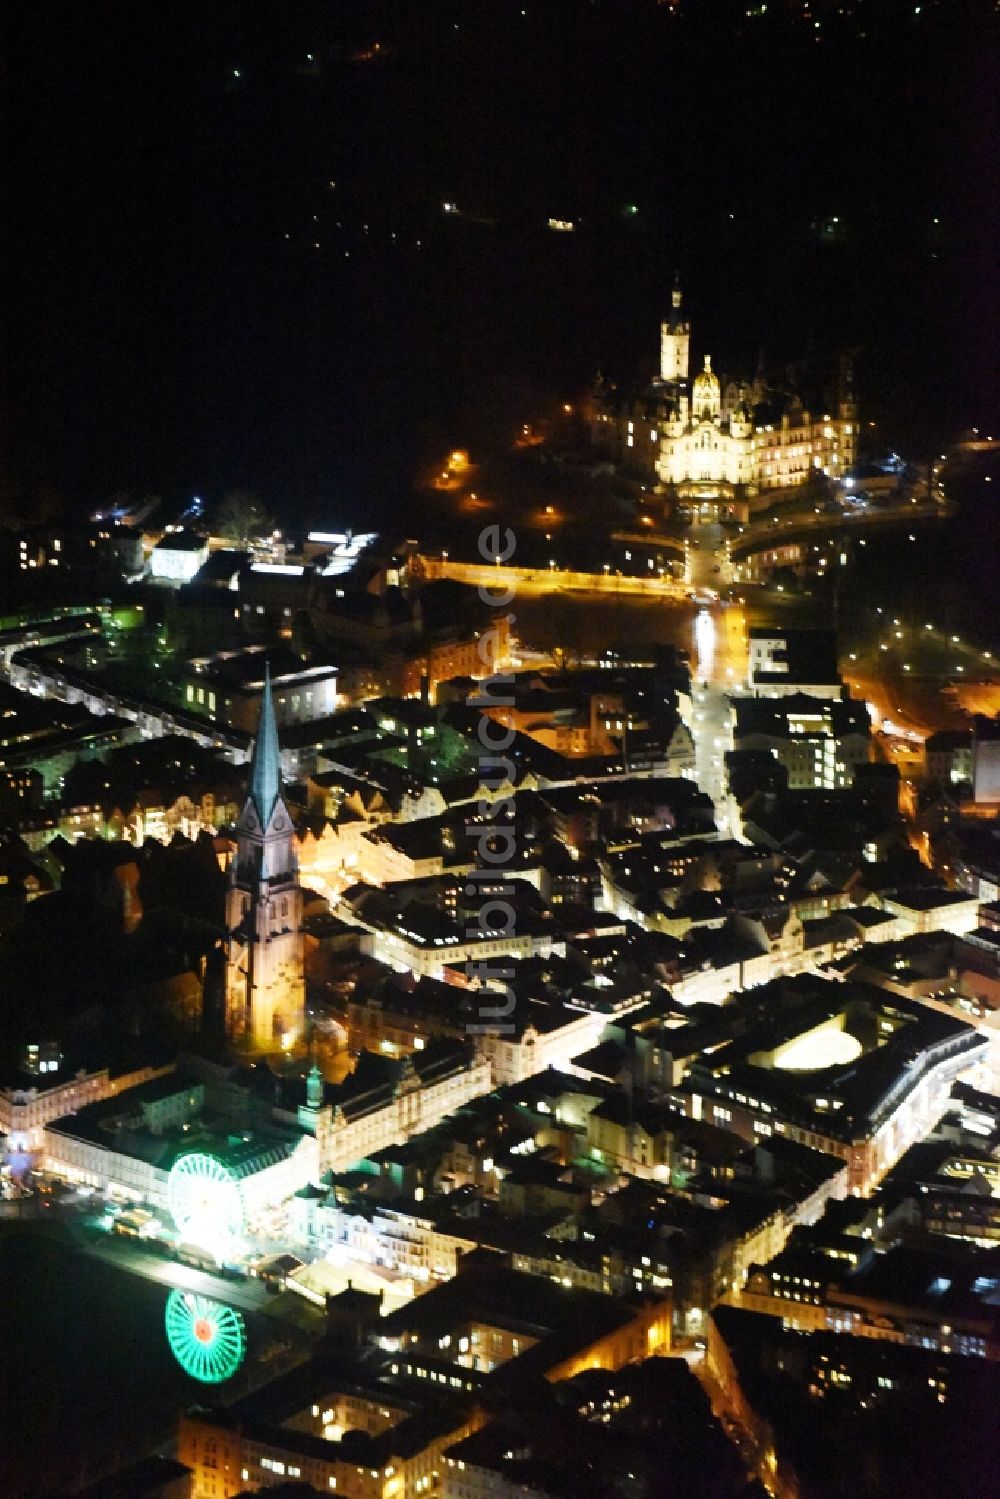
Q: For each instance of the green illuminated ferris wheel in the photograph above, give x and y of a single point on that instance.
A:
(207, 1338)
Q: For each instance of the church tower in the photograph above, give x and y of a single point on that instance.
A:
(265, 981)
(675, 335)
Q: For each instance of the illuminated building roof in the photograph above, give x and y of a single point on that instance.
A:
(554, 1321)
(181, 541)
(791, 1054)
(800, 716)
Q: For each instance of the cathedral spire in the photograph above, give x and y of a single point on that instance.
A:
(265, 762)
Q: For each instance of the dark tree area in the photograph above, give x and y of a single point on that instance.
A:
(125, 922)
(184, 880)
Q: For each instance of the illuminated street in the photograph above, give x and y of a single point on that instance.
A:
(718, 666)
(250, 1295)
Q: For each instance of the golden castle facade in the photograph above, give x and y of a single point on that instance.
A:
(711, 444)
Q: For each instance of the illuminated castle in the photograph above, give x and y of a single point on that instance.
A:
(265, 982)
(712, 445)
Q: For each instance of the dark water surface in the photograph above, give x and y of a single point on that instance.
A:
(86, 1377)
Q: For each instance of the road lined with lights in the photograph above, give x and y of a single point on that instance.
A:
(249, 1295)
(959, 678)
(718, 668)
(551, 579)
(790, 531)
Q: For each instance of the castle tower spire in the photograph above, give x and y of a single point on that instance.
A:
(675, 337)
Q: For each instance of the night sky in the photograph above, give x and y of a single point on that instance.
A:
(171, 326)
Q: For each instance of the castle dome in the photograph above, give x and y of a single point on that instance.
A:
(706, 380)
